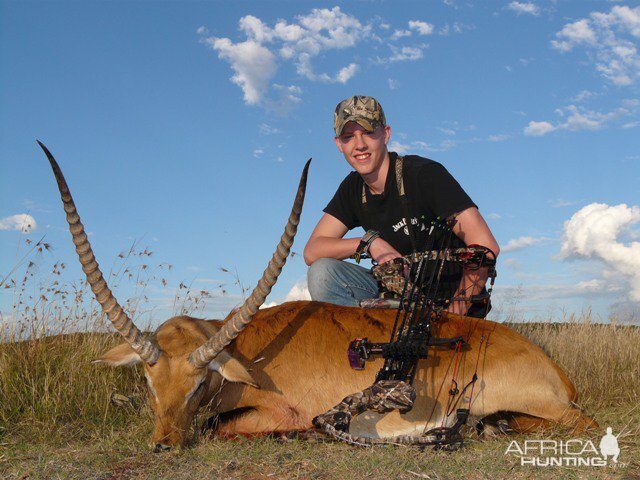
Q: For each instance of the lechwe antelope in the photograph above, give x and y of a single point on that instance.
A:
(273, 370)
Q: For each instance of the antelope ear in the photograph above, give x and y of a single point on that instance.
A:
(120, 356)
(231, 369)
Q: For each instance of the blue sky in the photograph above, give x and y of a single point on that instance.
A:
(185, 126)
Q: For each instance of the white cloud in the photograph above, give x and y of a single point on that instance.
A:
(346, 73)
(494, 216)
(520, 243)
(399, 148)
(423, 28)
(583, 95)
(498, 138)
(402, 148)
(393, 83)
(573, 34)
(254, 65)
(524, 7)
(300, 291)
(402, 54)
(267, 129)
(577, 118)
(420, 146)
(594, 232)
(258, 152)
(22, 222)
(538, 129)
(610, 40)
(400, 33)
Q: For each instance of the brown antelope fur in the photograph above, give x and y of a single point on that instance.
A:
(296, 354)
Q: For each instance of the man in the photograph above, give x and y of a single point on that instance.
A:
(369, 197)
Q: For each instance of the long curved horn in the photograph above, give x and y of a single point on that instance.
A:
(231, 329)
(148, 351)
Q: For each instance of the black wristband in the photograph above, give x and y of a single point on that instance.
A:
(363, 247)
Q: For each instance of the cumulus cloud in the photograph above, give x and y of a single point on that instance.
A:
(267, 46)
(345, 74)
(300, 291)
(524, 7)
(610, 40)
(400, 33)
(538, 129)
(597, 231)
(423, 28)
(403, 54)
(520, 243)
(22, 222)
(254, 66)
(577, 118)
(255, 63)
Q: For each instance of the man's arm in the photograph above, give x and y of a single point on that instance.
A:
(326, 242)
(472, 229)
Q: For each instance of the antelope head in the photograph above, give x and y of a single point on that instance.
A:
(186, 361)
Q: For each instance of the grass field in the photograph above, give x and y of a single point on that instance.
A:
(63, 417)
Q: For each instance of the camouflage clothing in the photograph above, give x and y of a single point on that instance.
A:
(365, 111)
(381, 397)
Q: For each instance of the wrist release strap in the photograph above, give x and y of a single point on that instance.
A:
(363, 247)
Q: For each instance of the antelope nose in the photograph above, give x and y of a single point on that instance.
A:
(161, 448)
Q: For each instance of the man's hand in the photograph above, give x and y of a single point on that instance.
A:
(382, 252)
(472, 229)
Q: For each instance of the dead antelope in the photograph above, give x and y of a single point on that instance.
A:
(289, 364)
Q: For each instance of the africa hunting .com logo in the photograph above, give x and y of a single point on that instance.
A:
(575, 452)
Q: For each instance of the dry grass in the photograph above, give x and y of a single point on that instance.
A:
(57, 419)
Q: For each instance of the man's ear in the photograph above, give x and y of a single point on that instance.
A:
(120, 356)
(387, 134)
(338, 143)
(231, 369)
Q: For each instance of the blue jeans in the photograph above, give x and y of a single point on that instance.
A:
(344, 283)
(341, 283)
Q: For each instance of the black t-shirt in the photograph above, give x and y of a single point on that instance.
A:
(430, 191)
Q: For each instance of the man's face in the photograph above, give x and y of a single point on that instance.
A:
(365, 151)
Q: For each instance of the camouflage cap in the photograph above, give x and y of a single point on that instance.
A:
(365, 111)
